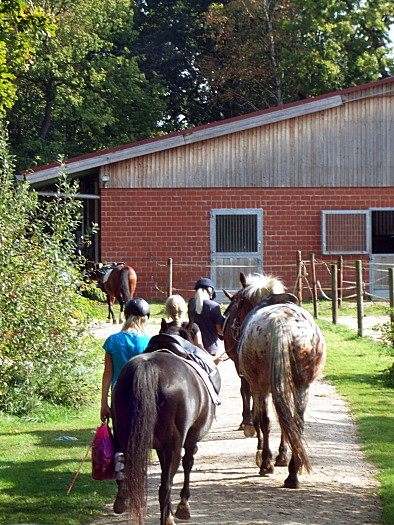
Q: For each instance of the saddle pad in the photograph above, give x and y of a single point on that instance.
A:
(106, 275)
(201, 372)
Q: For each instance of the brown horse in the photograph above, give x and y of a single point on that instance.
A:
(281, 352)
(231, 345)
(118, 281)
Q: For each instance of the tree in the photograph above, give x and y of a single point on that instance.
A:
(169, 38)
(90, 96)
(44, 354)
(269, 52)
(21, 22)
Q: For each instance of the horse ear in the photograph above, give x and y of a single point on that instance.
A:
(164, 325)
(190, 326)
(228, 295)
(242, 278)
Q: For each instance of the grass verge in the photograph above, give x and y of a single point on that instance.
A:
(356, 368)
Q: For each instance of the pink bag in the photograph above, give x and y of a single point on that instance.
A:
(103, 452)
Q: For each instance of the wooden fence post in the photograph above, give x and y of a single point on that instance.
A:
(299, 278)
(334, 293)
(169, 277)
(314, 287)
(391, 295)
(360, 304)
(340, 280)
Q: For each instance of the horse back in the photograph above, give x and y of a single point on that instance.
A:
(296, 330)
(183, 407)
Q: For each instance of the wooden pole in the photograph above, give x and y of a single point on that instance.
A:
(340, 280)
(360, 304)
(391, 296)
(169, 277)
(314, 286)
(334, 293)
(299, 277)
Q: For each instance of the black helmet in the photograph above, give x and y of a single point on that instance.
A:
(206, 284)
(137, 307)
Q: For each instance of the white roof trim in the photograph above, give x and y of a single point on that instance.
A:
(209, 132)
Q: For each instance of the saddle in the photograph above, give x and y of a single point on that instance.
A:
(278, 298)
(107, 270)
(183, 348)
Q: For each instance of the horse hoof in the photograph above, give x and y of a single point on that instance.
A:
(241, 426)
(266, 471)
(259, 458)
(281, 462)
(249, 431)
(291, 484)
(170, 520)
(183, 511)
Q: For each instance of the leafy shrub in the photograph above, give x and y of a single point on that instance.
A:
(44, 348)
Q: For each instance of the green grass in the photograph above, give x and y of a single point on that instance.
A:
(356, 368)
(36, 469)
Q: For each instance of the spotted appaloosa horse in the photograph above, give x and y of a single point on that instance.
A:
(281, 351)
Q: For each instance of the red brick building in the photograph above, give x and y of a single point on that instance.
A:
(246, 193)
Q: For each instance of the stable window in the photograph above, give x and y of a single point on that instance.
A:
(236, 233)
(345, 232)
(366, 231)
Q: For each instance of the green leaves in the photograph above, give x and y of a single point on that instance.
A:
(44, 349)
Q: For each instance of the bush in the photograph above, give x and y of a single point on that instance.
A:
(44, 348)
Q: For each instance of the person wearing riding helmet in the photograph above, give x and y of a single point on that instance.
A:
(119, 348)
(206, 313)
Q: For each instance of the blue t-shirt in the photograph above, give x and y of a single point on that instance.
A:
(122, 347)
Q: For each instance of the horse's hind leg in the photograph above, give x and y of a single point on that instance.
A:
(169, 461)
(267, 466)
(111, 315)
(247, 421)
(183, 509)
(281, 459)
(301, 401)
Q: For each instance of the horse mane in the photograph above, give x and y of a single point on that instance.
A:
(261, 286)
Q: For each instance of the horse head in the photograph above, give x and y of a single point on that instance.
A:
(172, 329)
(255, 288)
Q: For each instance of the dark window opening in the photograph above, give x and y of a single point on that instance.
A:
(383, 231)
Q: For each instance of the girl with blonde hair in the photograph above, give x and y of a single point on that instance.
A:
(176, 309)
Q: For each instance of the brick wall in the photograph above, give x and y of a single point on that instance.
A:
(146, 227)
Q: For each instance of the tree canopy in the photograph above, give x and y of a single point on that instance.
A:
(125, 70)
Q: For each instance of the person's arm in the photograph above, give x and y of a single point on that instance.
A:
(105, 386)
(197, 340)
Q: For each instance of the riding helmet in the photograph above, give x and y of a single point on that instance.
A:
(206, 284)
(137, 307)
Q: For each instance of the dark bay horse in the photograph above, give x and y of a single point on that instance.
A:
(230, 345)
(118, 281)
(281, 351)
(159, 402)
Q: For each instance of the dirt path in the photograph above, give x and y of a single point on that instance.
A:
(226, 488)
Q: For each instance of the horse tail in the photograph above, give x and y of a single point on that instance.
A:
(284, 395)
(143, 416)
(124, 284)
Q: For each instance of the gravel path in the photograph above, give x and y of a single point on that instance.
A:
(226, 488)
